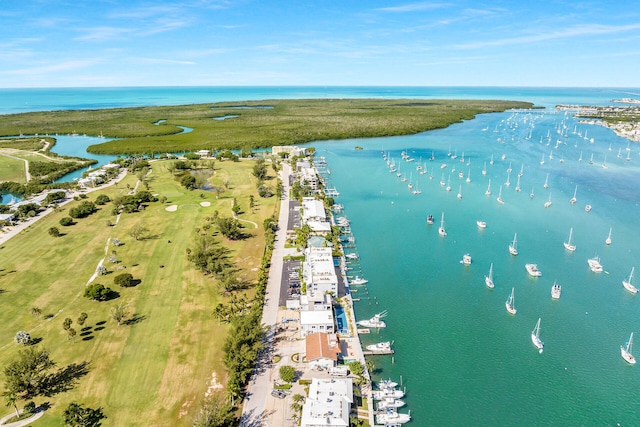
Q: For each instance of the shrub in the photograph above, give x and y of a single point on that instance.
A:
(84, 209)
(265, 191)
(22, 337)
(124, 280)
(66, 221)
(287, 373)
(54, 231)
(188, 182)
(102, 199)
(98, 292)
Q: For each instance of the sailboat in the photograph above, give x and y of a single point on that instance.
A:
(568, 245)
(448, 183)
(484, 169)
(546, 182)
(499, 198)
(509, 304)
(608, 239)
(628, 285)
(548, 202)
(460, 192)
(532, 194)
(521, 170)
(488, 280)
(625, 351)
(542, 160)
(573, 199)
(580, 158)
(518, 184)
(513, 247)
(491, 161)
(441, 230)
(468, 175)
(507, 183)
(535, 337)
(488, 192)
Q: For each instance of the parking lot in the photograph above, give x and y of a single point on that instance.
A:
(291, 284)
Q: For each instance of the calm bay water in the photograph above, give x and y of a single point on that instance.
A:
(463, 359)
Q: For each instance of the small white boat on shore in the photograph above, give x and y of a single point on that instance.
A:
(535, 337)
(594, 264)
(625, 351)
(532, 269)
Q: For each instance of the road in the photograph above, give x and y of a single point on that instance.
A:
(260, 386)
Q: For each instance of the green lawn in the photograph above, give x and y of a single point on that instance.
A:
(152, 372)
(11, 169)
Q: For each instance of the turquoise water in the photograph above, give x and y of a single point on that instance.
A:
(463, 359)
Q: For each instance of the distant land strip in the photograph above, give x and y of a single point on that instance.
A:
(250, 124)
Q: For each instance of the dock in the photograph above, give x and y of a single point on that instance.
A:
(377, 352)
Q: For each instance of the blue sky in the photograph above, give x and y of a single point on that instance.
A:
(74, 43)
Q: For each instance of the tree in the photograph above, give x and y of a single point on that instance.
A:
(216, 411)
(124, 280)
(252, 202)
(119, 313)
(229, 228)
(22, 337)
(27, 375)
(66, 221)
(71, 333)
(82, 318)
(102, 199)
(236, 207)
(84, 209)
(287, 373)
(36, 312)
(188, 181)
(138, 230)
(76, 415)
(10, 399)
(98, 292)
(260, 170)
(66, 325)
(53, 231)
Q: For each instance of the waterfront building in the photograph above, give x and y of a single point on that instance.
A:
(322, 350)
(329, 403)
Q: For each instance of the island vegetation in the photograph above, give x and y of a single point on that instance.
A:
(251, 124)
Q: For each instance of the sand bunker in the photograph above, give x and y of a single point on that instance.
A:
(171, 208)
(205, 204)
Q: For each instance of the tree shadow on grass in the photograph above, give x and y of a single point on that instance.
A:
(135, 319)
(66, 378)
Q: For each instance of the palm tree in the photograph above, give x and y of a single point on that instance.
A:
(10, 399)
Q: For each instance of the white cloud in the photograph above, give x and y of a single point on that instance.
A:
(412, 7)
(103, 33)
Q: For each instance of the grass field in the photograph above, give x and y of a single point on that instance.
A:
(287, 122)
(155, 370)
(11, 169)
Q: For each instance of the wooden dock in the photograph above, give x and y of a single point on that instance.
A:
(377, 352)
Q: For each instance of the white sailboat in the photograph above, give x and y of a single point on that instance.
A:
(484, 169)
(573, 199)
(448, 183)
(548, 202)
(441, 230)
(542, 160)
(546, 182)
(468, 180)
(625, 351)
(509, 303)
(488, 280)
(518, 184)
(491, 161)
(507, 183)
(513, 247)
(628, 285)
(535, 337)
(608, 239)
(568, 245)
(460, 192)
(488, 191)
(532, 194)
(499, 198)
(521, 170)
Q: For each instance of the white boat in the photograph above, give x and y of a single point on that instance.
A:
(548, 202)
(507, 182)
(568, 245)
(466, 259)
(381, 346)
(625, 351)
(608, 239)
(387, 384)
(460, 192)
(556, 290)
(587, 208)
(484, 169)
(499, 198)
(387, 393)
(521, 170)
(488, 192)
(375, 322)
(468, 180)
(481, 224)
(532, 269)
(358, 281)
(509, 303)
(532, 194)
(491, 161)
(390, 402)
(391, 417)
(513, 247)
(518, 184)
(430, 219)
(441, 230)
(594, 264)
(352, 256)
(542, 160)
(573, 199)
(488, 280)
(546, 182)
(535, 337)
(448, 183)
(628, 285)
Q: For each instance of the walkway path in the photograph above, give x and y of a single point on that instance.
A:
(253, 411)
(27, 175)
(26, 421)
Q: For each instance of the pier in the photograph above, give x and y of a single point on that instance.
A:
(377, 352)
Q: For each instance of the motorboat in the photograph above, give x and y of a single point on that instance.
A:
(391, 417)
(390, 402)
(481, 224)
(466, 259)
(556, 290)
(375, 322)
(381, 346)
(532, 269)
(594, 264)
(358, 281)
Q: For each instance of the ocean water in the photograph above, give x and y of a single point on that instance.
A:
(462, 358)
